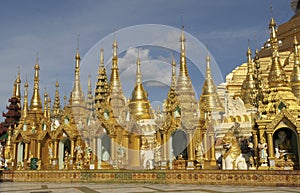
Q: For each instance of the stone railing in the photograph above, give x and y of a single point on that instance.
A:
(257, 178)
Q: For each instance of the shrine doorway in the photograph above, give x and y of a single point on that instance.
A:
(103, 149)
(179, 144)
(47, 151)
(64, 146)
(287, 142)
(20, 153)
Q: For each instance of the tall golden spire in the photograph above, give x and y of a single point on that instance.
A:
(101, 91)
(248, 85)
(184, 88)
(209, 99)
(17, 86)
(277, 76)
(295, 76)
(77, 96)
(139, 104)
(116, 98)
(36, 103)
(56, 106)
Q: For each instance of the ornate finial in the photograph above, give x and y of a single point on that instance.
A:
(18, 77)
(249, 55)
(138, 69)
(101, 57)
(208, 72)
(77, 56)
(56, 84)
(115, 47)
(17, 86)
(183, 68)
(26, 83)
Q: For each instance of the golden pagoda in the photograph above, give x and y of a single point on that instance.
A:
(254, 126)
(139, 104)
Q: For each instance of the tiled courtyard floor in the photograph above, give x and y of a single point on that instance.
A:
(18, 187)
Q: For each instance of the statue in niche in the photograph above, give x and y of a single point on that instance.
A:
(50, 151)
(199, 154)
(263, 155)
(66, 159)
(282, 145)
(105, 155)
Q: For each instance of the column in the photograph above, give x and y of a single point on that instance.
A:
(125, 144)
(26, 151)
(270, 144)
(168, 151)
(15, 151)
(72, 149)
(205, 146)
(212, 149)
(255, 144)
(113, 147)
(39, 150)
(191, 155)
(55, 150)
(164, 147)
(94, 158)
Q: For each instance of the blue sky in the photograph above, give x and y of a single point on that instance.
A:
(51, 28)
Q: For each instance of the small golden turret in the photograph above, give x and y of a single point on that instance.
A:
(17, 86)
(56, 111)
(209, 99)
(36, 102)
(139, 104)
(248, 86)
(295, 76)
(25, 104)
(277, 75)
(77, 96)
(172, 102)
(101, 91)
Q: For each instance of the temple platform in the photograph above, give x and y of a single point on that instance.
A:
(209, 177)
